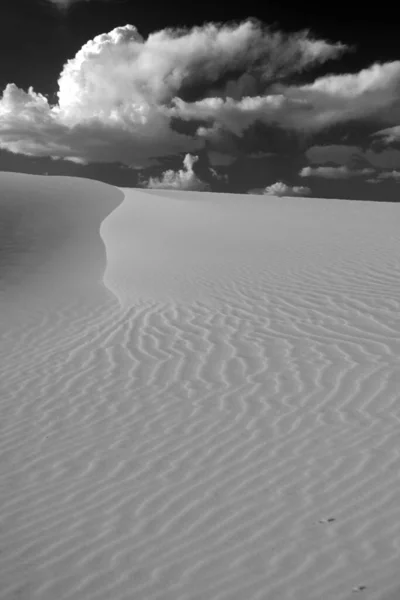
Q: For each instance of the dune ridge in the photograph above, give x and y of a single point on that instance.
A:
(229, 427)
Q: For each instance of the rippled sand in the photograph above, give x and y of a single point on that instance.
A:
(198, 395)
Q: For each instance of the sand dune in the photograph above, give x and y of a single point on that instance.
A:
(199, 395)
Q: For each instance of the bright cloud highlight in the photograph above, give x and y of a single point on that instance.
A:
(342, 172)
(184, 179)
(120, 96)
(282, 189)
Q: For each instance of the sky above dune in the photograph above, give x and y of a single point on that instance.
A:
(275, 100)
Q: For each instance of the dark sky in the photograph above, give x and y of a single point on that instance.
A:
(37, 38)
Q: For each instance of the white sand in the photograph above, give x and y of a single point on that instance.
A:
(221, 419)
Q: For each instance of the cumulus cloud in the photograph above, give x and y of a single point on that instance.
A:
(282, 189)
(386, 176)
(28, 125)
(390, 175)
(342, 172)
(329, 100)
(184, 179)
(116, 96)
(120, 96)
(390, 134)
(235, 115)
(332, 99)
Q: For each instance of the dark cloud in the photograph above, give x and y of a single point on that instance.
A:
(65, 4)
(335, 154)
(388, 158)
(219, 159)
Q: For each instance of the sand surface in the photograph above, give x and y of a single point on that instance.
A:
(199, 395)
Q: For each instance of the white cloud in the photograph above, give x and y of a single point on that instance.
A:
(115, 95)
(184, 179)
(282, 189)
(235, 115)
(219, 176)
(329, 100)
(342, 172)
(118, 95)
(332, 99)
(102, 114)
(390, 134)
(390, 175)
(384, 176)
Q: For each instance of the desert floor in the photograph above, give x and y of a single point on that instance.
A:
(199, 395)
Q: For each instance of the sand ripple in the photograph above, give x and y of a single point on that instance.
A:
(241, 444)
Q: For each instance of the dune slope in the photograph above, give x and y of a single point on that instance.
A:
(198, 395)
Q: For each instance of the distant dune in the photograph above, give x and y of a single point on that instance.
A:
(198, 395)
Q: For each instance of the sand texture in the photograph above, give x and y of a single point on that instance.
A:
(199, 395)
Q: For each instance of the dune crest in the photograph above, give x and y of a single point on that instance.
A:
(229, 429)
(49, 237)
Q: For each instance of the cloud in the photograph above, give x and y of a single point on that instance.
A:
(184, 179)
(118, 94)
(333, 99)
(329, 100)
(219, 176)
(70, 130)
(390, 134)
(347, 155)
(282, 189)
(65, 4)
(235, 115)
(62, 3)
(385, 176)
(387, 159)
(390, 175)
(342, 172)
